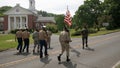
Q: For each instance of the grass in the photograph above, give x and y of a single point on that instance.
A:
(7, 41)
(103, 31)
(118, 66)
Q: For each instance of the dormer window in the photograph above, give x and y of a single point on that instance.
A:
(17, 10)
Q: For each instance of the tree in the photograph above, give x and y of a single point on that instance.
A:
(76, 22)
(52, 28)
(60, 21)
(113, 9)
(44, 13)
(88, 13)
(4, 9)
(82, 16)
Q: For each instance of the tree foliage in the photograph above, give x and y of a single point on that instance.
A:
(94, 13)
(88, 13)
(113, 9)
(44, 13)
(52, 28)
(60, 21)
(4, 9)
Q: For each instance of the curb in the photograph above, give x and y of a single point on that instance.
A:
(116, 64)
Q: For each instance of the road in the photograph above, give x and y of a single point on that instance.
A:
(104, 52)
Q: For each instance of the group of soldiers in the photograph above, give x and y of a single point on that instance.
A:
(22, 36)
(42, 39)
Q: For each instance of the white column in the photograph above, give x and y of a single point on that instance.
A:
(26, 21)
(21, 22)
(15, 22)
(9, 23)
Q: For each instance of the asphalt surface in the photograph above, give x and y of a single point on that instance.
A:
(103, 52)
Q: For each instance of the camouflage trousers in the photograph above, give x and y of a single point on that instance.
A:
(65, 47)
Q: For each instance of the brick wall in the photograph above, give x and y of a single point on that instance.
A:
(31, 21)
(5, 24)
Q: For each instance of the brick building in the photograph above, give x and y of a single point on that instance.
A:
(21, 18)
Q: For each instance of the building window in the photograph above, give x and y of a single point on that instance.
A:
(1, 26)
(18, 22)
(24, 22)
(17, 10)
(11, 23)
(1, 19)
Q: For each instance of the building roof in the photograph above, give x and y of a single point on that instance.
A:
(18, 10)
(45, 19)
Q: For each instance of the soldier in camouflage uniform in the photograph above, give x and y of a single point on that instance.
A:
(49, 38)
(18, 36)
(84, 34)
(26, 36)
(43, 42)
(64, 39)
(35, 37)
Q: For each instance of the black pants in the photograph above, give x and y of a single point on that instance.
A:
(85, 41)
(19, 47)
(26, 44)
(43, 43)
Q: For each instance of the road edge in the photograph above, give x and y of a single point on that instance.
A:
(116, 64)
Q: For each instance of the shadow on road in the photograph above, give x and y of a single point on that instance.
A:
(75, 51)
(45, 60)
(24, 54)
(69, 64)
(50, 48)
(36, 53)
(89, 49)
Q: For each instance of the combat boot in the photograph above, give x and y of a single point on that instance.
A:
(59, 57)
(67, 59)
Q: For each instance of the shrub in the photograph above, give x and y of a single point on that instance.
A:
(92, 31)
(110, 27)
(14, 31)
(52, 27)
(77, 33)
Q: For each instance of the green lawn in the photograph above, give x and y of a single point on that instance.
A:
(101, 32)
(104, 31)
(118, 66)
(7, 41)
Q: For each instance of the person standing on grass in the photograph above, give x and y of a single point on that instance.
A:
(84, 34)
(35, 37)
(49, 38)
(18, 36)
(64, 39)
(26, 36)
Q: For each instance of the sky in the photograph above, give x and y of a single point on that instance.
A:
(51, 6)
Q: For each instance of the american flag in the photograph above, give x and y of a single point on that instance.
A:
(68, 19)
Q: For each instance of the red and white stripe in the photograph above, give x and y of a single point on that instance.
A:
(68, 19)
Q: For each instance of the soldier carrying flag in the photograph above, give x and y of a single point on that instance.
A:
(64, 37)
